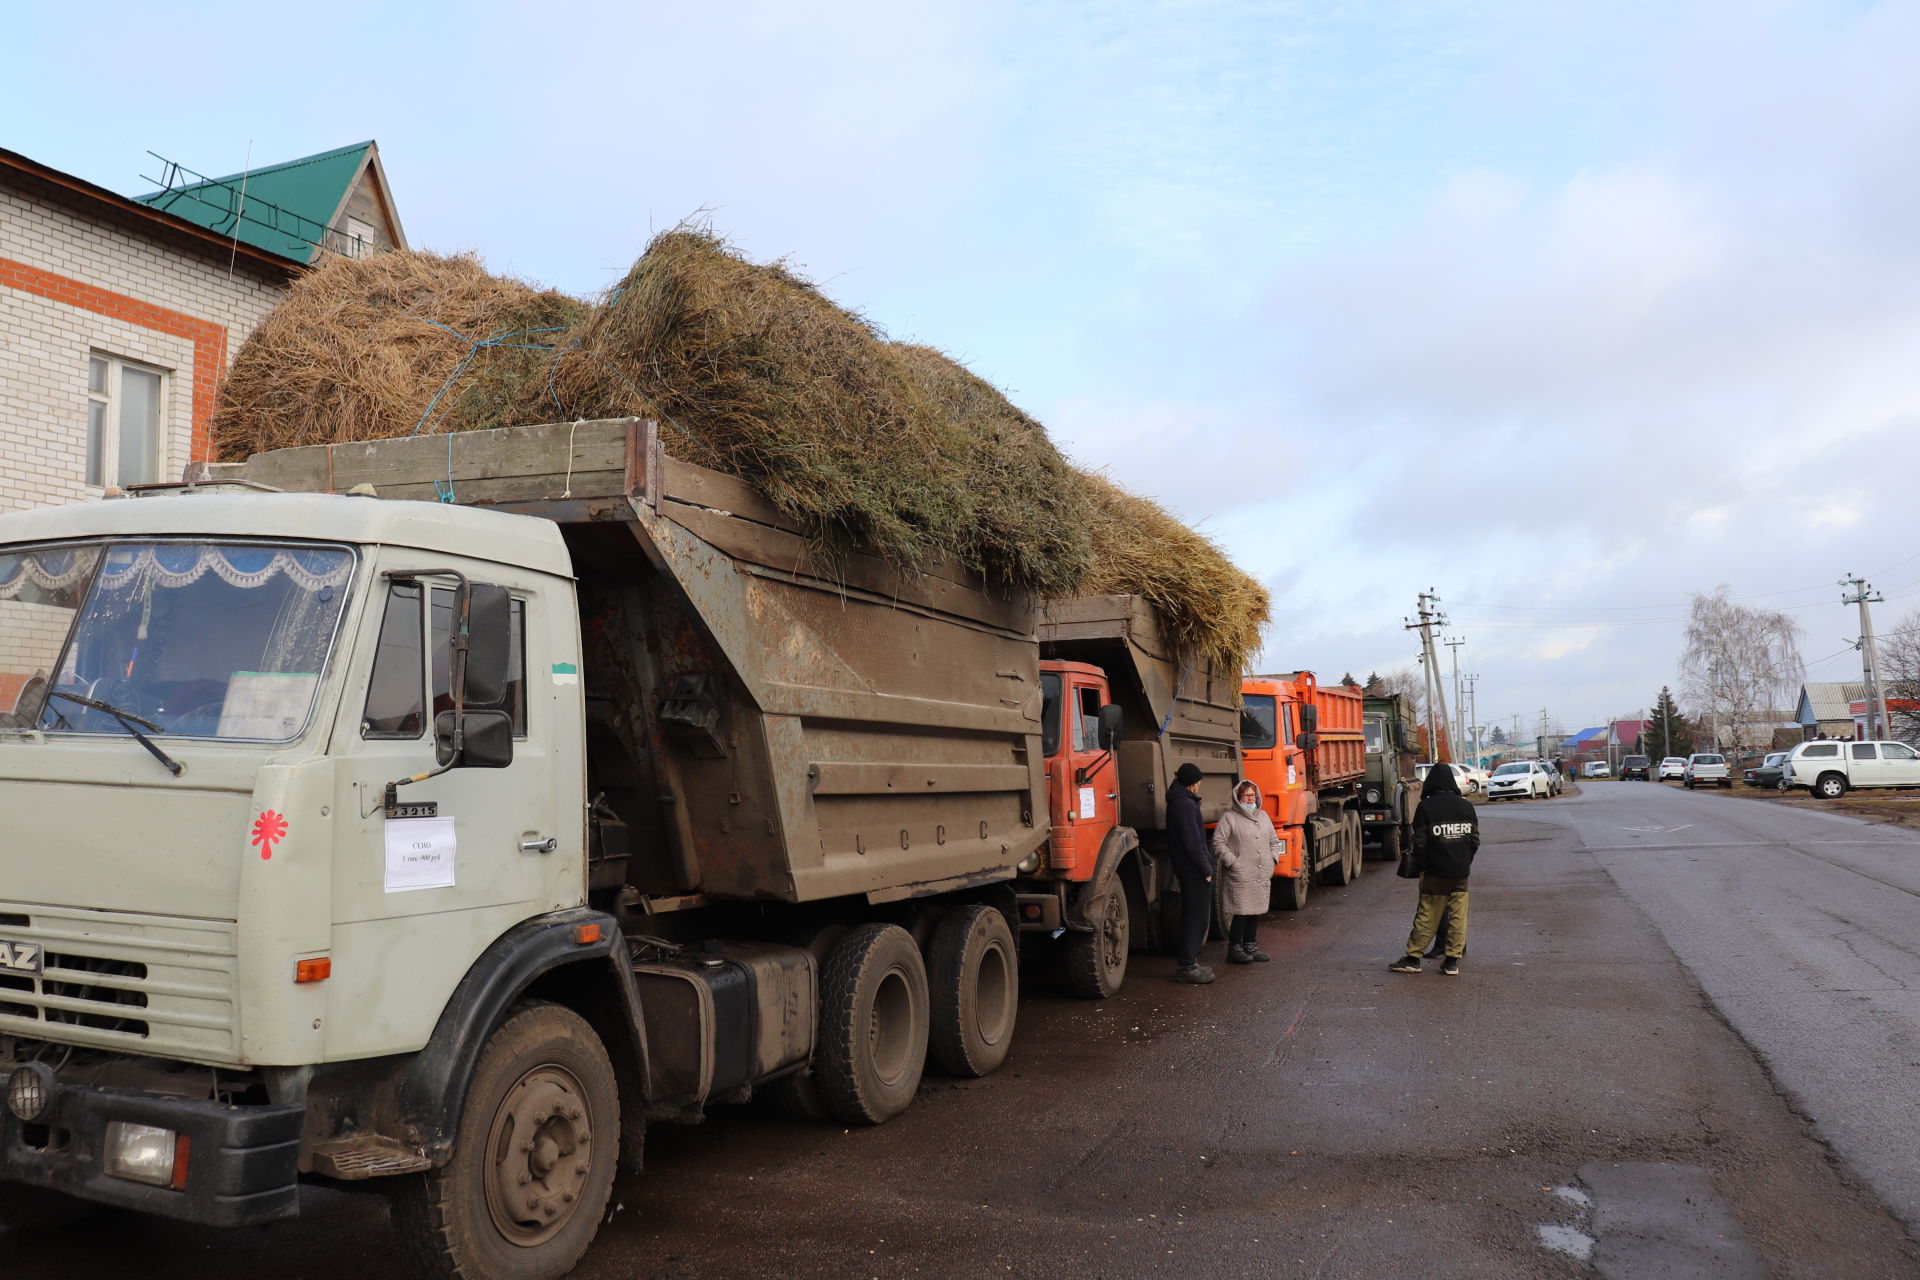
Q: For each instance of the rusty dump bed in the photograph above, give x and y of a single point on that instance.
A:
(764, 722)
(1178, 709)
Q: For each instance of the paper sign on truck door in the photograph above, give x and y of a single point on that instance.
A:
(419, 854)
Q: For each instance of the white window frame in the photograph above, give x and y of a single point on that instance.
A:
(106, 451)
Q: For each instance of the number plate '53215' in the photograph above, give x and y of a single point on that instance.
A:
(19, 957)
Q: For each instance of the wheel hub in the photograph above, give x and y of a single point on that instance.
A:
(541, 1145)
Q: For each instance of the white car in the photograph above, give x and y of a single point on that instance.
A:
(1831, 769)
(1673, 767)
(1707, 768)
(1472, 781)
(1520, 779)
(1597, 769)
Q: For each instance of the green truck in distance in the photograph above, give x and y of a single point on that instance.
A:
(1388, 795)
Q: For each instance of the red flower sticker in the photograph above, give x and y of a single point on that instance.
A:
(268, 830)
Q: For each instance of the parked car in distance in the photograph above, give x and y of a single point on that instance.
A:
(1558, 779)
(1596, 769)
(1831, 769)
(1519, 779)
(1707, 768)
(1472, 781)
(1767, 773)
(1632, 767)
(1673, 767)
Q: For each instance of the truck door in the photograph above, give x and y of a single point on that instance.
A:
(1083, 795)
(1901, 763)
(475, 849)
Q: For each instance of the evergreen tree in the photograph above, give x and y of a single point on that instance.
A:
(1667, 732)
(1498, 737)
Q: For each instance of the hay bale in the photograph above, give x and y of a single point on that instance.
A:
(357, 351)
(1031, 516)
(752, 371)
(1206, 604)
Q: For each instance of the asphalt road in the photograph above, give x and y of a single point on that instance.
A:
(1591, 1096)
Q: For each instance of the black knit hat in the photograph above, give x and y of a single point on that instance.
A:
(1187, 774)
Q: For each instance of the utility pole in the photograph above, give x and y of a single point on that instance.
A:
(1863, 595)
(1459, 702)
(1436, 687)
(1473, 700)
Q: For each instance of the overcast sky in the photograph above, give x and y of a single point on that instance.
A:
(1565, 310)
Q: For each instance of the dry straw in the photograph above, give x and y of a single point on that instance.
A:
(360, 348)
(751, 370)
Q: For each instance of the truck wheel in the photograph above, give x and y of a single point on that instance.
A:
(873, 1025)
(1831, 786)
(1390, 842)
(1340, 870)
(974, 984)
(38, 1209)
(1097, 961)
(533, 1158)
(1289, 893)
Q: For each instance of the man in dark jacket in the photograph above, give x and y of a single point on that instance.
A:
(1446, 835)
(1193, 865)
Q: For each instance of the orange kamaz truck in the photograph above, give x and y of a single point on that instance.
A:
(1305, 745)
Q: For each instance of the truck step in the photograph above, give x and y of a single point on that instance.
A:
(368, 1156)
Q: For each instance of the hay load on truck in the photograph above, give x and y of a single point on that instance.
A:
(1389, 795)
(1304, 744)
(458, 804)
(1122, 712)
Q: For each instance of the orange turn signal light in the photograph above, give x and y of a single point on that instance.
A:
(316, 970)
(586, 934)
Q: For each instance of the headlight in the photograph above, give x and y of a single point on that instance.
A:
(29, 1091)
(145, 1153)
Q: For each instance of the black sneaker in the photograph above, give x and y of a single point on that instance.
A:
(1238, 955)
(1406, 964)
(1197, 974)
(1257, 955)
(1451, 966)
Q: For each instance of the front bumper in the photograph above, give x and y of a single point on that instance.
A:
(242, 1165)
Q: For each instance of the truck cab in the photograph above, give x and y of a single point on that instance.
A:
(1303, 744)
(1079, 727)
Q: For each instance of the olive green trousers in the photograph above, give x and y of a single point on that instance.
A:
(1440, 897)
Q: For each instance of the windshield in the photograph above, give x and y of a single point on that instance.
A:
(1259, 722)
(1376, 736)
(1708, 760)
(196, 639)
(1511, 769)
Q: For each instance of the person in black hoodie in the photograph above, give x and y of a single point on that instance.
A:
(1446, 835)
(1193, 865)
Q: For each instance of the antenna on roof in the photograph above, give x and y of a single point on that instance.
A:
(233, 254)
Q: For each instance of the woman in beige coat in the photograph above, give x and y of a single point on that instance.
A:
(1245, 850)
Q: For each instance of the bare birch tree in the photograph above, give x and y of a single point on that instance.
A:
(1900, 676)
(1739, 669)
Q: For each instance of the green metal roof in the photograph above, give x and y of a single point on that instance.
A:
(283, 208)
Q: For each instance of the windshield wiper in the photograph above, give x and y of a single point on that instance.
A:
(127, 721)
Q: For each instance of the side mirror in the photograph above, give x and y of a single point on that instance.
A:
(1309, 718)
(1400, 734)
(1112, 720)
(489, 644)
(487, 742)
(1306, 741)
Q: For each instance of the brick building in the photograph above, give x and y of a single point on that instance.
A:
(118, 317)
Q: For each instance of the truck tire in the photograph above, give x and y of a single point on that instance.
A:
(544, 1094)
(1390, 843)
(873, 1025)
(1340, 870)
(1097, 961)
(973, 981)
(1830, 786)
(1289, 893)
(38, 1209)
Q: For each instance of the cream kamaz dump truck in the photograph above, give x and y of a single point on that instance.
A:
(445, 810)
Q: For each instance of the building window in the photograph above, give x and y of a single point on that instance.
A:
(124, 402)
